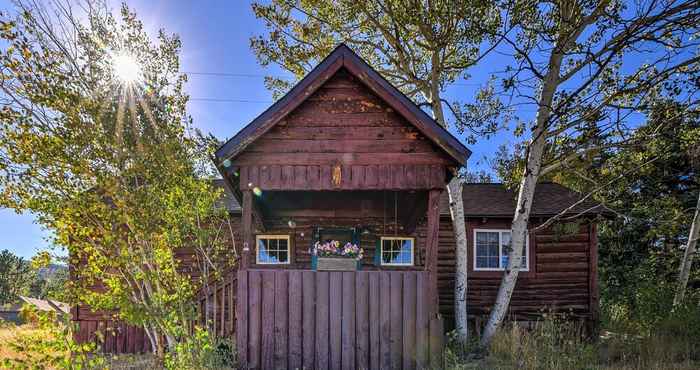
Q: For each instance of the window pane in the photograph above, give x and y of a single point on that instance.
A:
(482, 262)
(273, 250)
(493, 262)
(481, 238)
(397, 251)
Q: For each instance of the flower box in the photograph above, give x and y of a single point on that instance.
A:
(330, 256)
(337, 264)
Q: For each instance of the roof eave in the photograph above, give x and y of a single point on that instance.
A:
(342, 56)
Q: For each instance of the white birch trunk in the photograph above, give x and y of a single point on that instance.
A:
(526, 193)
(687, 262)
(459, 228)
(455, 188)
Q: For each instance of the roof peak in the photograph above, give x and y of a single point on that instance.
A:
(343, 56)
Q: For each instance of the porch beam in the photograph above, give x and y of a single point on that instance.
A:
(247, 221)
(431, 242)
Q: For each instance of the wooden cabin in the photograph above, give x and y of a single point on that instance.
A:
(345, 156)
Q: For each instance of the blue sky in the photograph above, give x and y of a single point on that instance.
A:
(215, 38)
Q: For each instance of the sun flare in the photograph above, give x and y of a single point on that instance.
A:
(126, 68)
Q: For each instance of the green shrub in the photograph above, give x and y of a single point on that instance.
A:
(201, 351)
(49, 345)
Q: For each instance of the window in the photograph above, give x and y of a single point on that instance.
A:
(341, 235)
(491, 249)
(272, 249)
(395, 251)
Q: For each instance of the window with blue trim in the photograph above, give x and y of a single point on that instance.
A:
(272, 249)
(396, 251)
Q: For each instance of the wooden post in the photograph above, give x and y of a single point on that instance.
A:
(247, 220)
(431, 244)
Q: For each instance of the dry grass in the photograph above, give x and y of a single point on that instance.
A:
(12, 335)
(555, 344)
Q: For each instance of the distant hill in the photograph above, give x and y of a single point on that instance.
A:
(51, 270)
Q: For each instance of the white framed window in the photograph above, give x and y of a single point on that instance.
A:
(396, 251)
(491, 250)
(272, 249)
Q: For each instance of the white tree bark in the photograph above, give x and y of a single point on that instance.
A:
(687, 262)
(535, 151)
(455, 188)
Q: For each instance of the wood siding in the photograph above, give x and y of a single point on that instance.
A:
(342, 137)
(560, 277)
(336, 320)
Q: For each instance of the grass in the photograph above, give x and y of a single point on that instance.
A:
(556, 343)
(10, 333)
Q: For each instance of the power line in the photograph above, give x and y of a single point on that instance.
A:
(254, 75)
(232, 100)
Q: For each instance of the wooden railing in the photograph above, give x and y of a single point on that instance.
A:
(294, 319)
(217, 302)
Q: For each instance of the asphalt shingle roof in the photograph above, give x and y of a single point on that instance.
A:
(495, 200)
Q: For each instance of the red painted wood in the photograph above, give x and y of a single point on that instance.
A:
(350, 145)
(396, 319)
(385, 346)
(267, 346)
(254, 322)
(380, 134)
(326, 177)
(374, 319)
(593, 292)
(436, 343)
(300, 180)
(275, 176)
(422, 321)
(308, 319)
(295, 319)
(348, 338)
(431, 242)
(242, 317)
(287, 175)
(409, 320)
(281, 332)
(322, 320)
(247, 222)
(362, 320)
(253, 159)
(140, 339)
(335, 331)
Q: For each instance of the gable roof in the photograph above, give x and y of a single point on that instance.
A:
(343, 56)
(495, 200)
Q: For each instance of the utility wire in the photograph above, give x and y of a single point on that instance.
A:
(253, 75)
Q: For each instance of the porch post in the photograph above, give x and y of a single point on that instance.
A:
(247, 220)
(431, 242)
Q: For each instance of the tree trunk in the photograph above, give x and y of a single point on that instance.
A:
(455, 188)
(533, 166)
(687, 262)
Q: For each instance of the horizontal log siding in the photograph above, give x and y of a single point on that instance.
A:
(558, 278)
(337, 320)
(301, 237)
(342, 137)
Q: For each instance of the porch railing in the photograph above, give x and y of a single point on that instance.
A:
(289, 319)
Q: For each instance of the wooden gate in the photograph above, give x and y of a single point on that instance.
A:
(294, 319)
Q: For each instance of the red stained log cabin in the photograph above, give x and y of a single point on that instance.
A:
(346, 156)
